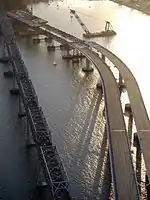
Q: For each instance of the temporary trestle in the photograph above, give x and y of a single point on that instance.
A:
(51, 163)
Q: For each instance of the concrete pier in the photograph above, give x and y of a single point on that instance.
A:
(36, 40)
(128, 112)
(99, 85)
(103, 57)
(21, 110)
(8, 74)
(121, 83)
(29, 139)
(41, 182)
(88, 67)
(50, 48)
(147, 187)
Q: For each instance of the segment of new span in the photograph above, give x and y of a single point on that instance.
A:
(136, 101)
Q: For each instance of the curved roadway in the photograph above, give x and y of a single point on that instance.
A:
(136, 100)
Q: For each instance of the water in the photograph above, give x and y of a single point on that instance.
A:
(69, 98)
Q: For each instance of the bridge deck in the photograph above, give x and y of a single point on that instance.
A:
(137, 104)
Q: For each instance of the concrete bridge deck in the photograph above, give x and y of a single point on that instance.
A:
(137, 105)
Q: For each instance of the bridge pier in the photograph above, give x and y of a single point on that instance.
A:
(41, 182)
(8, 74)
(36, 40)
(51, 46)
(128, 112)
(48, 39)
(103, 57)
(147, 187)
(138, 160)
(29, 139)
(75, 56)
(99, 85)
(4, 58)
(21, 111)
(15, 89)
(88, 67)
(121, 83)
(67, 55)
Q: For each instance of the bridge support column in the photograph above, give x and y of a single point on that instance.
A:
(21, 112)
(147, 187)
(99, 85)
(88, 67)
(4, 57)
(103, 57)
(138, 159)
(41, 182)
(15, 89)
(8, 74)
(48, 39)
(30, 142)
(36, 40)
(128, 112)
(121, 84)
(75, 56)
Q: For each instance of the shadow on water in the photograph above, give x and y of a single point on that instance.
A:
(82, 147)
(102, 179)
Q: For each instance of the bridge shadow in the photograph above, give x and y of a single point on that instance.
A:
(102, 176)
(82, 147)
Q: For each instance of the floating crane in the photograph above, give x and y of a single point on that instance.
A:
(106, 33)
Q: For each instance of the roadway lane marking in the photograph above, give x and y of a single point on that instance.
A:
(118, 130)
(145, 130)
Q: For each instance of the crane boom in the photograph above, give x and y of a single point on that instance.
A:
(80, 21)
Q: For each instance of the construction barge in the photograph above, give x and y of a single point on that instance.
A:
(108, 32)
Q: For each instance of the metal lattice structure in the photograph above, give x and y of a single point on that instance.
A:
(54, 172)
